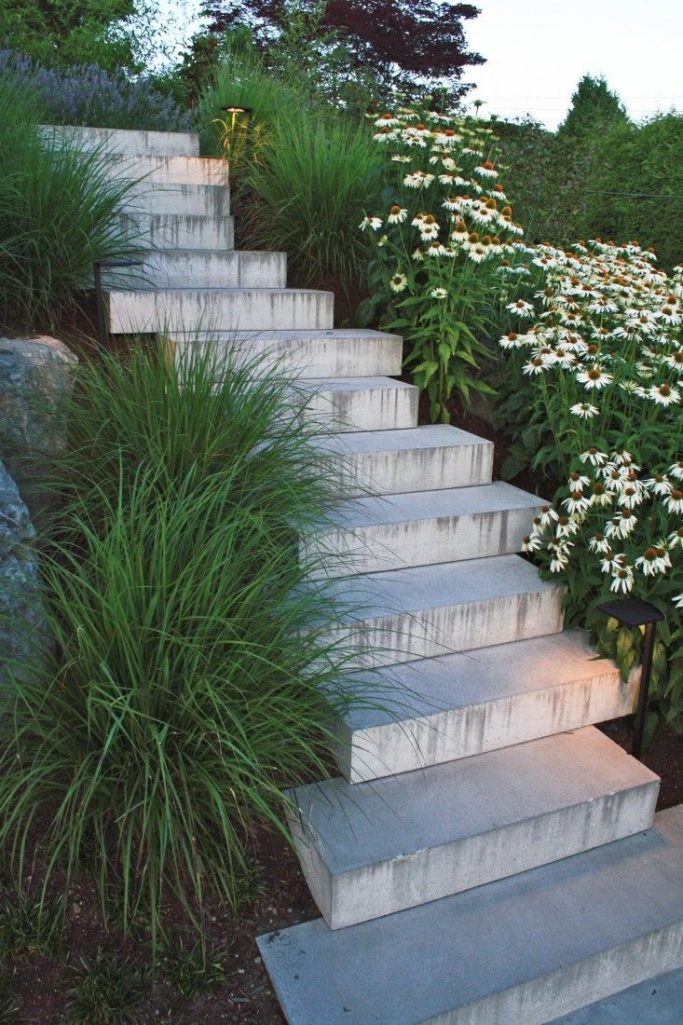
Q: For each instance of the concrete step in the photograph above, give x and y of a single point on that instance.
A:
(190, 309)
(371, 849)
(176, 231)
(396, 462)
(521, 951)
(168, 170)
(434, 710)
(408, 614)
(183, 200)
(656, 1001)
(211, 268)
(335, 352)
(128, 142)
(361, 403)
(418, 529)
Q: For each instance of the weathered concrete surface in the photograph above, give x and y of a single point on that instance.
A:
(371, 849)
(657, 1001)
(521, 951)
(433, 710)
(411, 460)
(408, 614)
(129, 141)
(194, 309)
(168, 170)
(36, 378)
(304, 354)
(20, 607)
(181, 199)
(178, 231)
(197, 268)
(361, 403)
(419, 529)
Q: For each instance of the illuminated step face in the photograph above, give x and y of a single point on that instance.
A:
(188, 268)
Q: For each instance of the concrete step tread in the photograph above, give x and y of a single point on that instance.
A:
(435, 436)
(355, 826)
(420, 588)
(433, 710)
(351, 384)
(197, 293)
(409, 507)
(284, 334)
(131, 141)
(521, 950)
(656, 1001)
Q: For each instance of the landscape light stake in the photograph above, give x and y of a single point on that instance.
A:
(634, 612)
(102, 329)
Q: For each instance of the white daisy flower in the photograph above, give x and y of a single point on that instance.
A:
(418, 180)
(546, 516)
(374, 223)
(594, 378)
(520, 308)
(397, 214)
(659, 485)
(398, 282)
(664, 394)
(584, 409)
(439, 293)
(532, 542)
(674, 501)
(675, 539)
(599, 545)
(623, 525)
(654, 560)
(676, 470)
(486, 170)
(593, 456)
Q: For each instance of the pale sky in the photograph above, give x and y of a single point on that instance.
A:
(537, 50)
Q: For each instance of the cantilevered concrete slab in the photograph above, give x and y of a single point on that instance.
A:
(370, 849)
(361, 403)
(421, 713)
(521, 951)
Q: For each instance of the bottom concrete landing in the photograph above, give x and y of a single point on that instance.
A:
(653, 1002)
(522, 951)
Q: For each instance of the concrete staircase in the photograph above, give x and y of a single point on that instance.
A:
(486, 856)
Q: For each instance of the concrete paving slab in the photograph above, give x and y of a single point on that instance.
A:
(371, 849)
(408, 614)
(418, 459)
(418, 529)
(361, 403)
(434, 710)
(521, 951)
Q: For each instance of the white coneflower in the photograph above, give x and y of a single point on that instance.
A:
(418, 180)
(374, 223)
(486, 170)
(631, 495)
(398, 282)
(599, 495)
(532, 542)
(387, 121)
(417, 255)
(664, 394)
(578, 481)
(428, 226)
(521, 308)
(599, 545)
(674, 501)
(397, 214)
(622, 577)
(678, 601)
(567, 526)
(594, 378)
(676, 470)
(622, 457)
(594, 457)
(436, 248)
(400, 158)
(623, 525)
(537, 364)
(439, 293)
(659, 484)
(654, 560)
(512, 341)
(584, 409)
(674, 360)
(547, 516)
(675, 538)
(560, 555)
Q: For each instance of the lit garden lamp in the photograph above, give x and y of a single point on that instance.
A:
(634, 612)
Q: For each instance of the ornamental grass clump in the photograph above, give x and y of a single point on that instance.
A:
(594, 365)
(192, 675)
(446, 229)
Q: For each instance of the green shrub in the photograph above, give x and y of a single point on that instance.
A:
(592, 392)
(57, 215)
(191, 650)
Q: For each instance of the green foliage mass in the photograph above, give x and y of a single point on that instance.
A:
(191, 647)
(594, 108)
(57, 215)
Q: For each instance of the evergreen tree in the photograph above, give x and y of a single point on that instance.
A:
(594, 108)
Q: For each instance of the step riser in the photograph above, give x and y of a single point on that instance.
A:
(394, 473)
(378, 410)
(180, 200)
(129, 142)
(405, 882)
(196, 310)
(209, 270)
(364, 755)
(403, 637)
(423, 542)
(168, 170)
(170, 231)
(576, 986)
(321, 357)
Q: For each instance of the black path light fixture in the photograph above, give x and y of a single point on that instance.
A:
(635, 612)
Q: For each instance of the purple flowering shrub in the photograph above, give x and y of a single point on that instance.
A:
(87, 95)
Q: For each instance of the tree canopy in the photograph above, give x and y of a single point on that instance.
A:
(402, 42)
(594, 108)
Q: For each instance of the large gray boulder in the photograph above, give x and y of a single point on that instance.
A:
(22, 633)
(36, 378)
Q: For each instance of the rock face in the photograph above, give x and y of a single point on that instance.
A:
(21, 636)
(36, 378)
